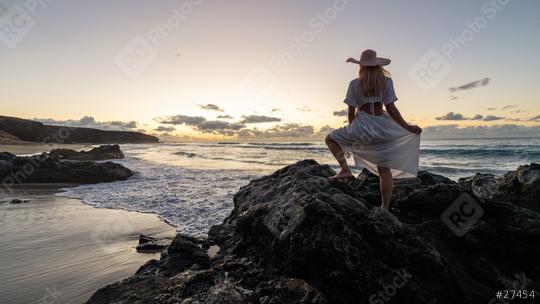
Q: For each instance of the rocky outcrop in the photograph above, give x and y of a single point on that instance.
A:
(148, 244)
(296, 237)
(47, 169)
(520, 187)
(104, 152)
(33, 131)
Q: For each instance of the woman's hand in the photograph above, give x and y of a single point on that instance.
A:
(414, 129)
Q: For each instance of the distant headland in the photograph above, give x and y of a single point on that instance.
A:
(13, 130)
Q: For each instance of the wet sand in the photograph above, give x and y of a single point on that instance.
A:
(59, 250)
(27, 148)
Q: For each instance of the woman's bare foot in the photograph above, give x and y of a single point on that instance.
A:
(343, 174)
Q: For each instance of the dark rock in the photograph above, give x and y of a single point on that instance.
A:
(427, 178)
(296, 237)
(150, 244)
(104, 152)
(483, 186)
(33, 131)
(520, 187)
(6, 156)
(426, 201)
(47, 169)
(16, 201)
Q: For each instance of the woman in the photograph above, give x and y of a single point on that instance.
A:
(381, 141)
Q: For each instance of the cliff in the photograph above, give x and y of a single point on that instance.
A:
(31, 131)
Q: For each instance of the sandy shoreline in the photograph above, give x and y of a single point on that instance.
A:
(60, 250)
(26, 148)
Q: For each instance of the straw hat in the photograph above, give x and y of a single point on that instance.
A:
(369, 58)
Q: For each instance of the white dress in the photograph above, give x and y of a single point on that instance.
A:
(378, 140)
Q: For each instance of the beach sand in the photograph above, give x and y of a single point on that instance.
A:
(60, 250)
(28, 148)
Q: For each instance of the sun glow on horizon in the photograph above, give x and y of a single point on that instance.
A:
(285, 62)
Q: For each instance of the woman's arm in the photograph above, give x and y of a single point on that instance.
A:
(396, 116)
(352, 114)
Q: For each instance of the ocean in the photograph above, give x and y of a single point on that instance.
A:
(191, 185)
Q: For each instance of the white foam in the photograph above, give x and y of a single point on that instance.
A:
(191, 199)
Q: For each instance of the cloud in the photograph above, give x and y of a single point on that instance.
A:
(225, 117)
(536, 118)
(290, 130)
(509, 107)
(341, 113)
(492, 118)
(211, 107)
(213, 126)
(201, 124)
(251, 119)
(90, 122)
(458, 117)
(164, 129)
(304, 109)
(496, 131)
(181, 120)
(491, 109)
(451, 116)
(325, 130)
(471, 85)
(477, 117)
(276, 110)
(127, 125)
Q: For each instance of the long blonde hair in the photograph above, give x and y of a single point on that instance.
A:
(373, 79)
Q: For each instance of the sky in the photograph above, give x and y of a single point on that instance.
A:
(216, 69)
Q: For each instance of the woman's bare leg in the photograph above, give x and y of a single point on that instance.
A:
(387, 186)
(340, 157)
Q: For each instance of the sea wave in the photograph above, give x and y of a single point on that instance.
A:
(192, 155)
(481, 152)
(196, 197)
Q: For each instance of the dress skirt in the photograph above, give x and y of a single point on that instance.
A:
(379, 141)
